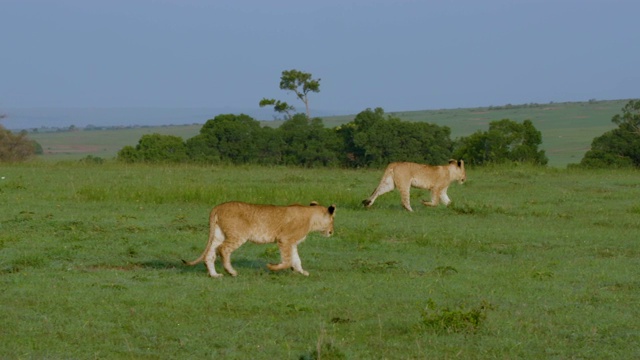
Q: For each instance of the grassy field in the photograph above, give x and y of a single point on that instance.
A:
(567, 129)
(75, 145)
(526, 263)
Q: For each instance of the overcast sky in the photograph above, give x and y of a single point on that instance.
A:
(398, 55)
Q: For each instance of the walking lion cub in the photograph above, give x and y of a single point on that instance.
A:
(232, 224)
(404, 175)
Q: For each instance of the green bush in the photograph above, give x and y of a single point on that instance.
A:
(155, 148)
(505, 141)
(16, 147)
(620, 147)
(373, 140)
(90, 159)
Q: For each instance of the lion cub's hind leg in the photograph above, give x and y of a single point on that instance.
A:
(386, 185)
(225, 250)
(405, 197)
(210, 257)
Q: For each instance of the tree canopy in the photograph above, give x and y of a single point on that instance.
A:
(619, 147)
(155, 148)
(372, 139)
(505, 141)
(301, 84)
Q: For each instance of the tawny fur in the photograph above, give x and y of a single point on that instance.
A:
(232, 224)
(405, 175)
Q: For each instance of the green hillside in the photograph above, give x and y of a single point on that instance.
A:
(71, 145)
(567, 129)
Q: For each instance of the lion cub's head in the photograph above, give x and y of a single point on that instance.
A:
(458, 172)
(323, 219)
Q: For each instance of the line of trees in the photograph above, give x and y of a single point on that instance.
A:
(372, 139)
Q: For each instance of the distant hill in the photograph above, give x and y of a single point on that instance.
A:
(567, 128)
(44, 118)
(30, 118)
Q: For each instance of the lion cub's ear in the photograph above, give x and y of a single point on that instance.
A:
(314, 203)
(332, 209)
(452, 161)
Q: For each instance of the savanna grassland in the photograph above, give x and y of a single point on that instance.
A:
(526, 263)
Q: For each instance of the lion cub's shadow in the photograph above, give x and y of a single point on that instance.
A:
(242, 263)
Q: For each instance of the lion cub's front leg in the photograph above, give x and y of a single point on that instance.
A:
(289, 258)
(435, 198)
(296, 263)
(285, 257)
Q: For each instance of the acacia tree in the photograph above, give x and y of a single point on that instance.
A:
(301, 83)
(279, 106)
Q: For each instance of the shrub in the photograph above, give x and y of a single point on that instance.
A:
(155, 148)
(505, 141)
(16, 147)
(373, 139)
(620, 147)
(90, 159)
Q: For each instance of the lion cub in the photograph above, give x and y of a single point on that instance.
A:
(405, 175)
(232, 224)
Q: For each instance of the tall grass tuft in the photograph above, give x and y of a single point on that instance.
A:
(445, 320)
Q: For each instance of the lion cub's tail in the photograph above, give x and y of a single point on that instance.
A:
(213, 220)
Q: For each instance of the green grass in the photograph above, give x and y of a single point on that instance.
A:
(526, 263)
(567, 129)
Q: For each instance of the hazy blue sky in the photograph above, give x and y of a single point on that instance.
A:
(398, 55)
